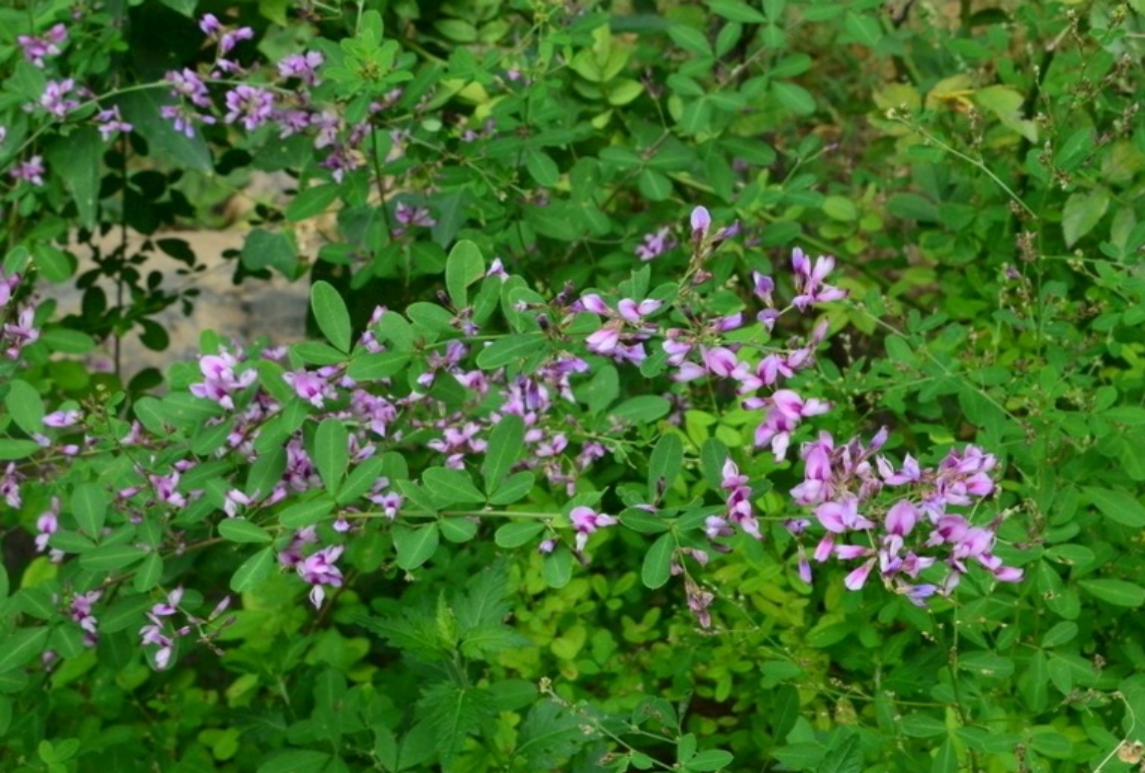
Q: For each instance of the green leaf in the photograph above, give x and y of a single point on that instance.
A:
(464, 266)
(794, 97)
(454, 712)
(653, 185)
(1117, 592)
(185, 7)
(556, 567)
(517, 533)
(844, 754)
(946, 759)
(549, 735)
(734, 10)
(709, 760)
(643, 410)
(253, 571)
(110, 558)
(149, 573)
(331, 315)
(415, 546)
(713, 454)
(142, 110)
(299, 761)
(394, 328)
(266, 472)
(1062, 633)
(690, 39)
(624, 90)
(331, 452)
(665, 464)
(658, 561)
(317, 353)
(542, 168)
(451, 487)
(506, 445)
(513, 489)
(66, 341)
(360, 480)
(1119, 506)
(313, 201)
(840, 208)
(371, 366)
(307, 513)
(125, 613)
(89, 506)
(864, 29)
(79, 154)
(458, 530)
(16, 261)
(242, 530)
(270, 249)
(513, 347)
(22, 647)
(1006, 102)
(922, 726)
(24, 404)
(1083, 211)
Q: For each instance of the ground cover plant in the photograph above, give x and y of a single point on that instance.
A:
(696, 386)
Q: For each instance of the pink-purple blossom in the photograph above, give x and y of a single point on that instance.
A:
(250, 105)
(38, 48)
(587, 521)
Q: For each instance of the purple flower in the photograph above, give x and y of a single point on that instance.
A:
(22, 332)
(309, 386)
(655, 244)
(60, 419)
(231, 39)
(253, 105)
(166, 489)
(36, 48)
(31, 171)
(46, 525)
(210, 25)
(858, 578)
(184, 118)
(292, 554)
(586, 521)
(189, 85)
(701, 222)
(220, 382)
(111, 122)
(809, 280)
(302, 66)
(54, 99)
(319, 570)
(81, 612)
(408, 216)
(731, 477)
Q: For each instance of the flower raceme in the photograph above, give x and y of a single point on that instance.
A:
(905, 523)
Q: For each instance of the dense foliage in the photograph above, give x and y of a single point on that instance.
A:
(721, 385)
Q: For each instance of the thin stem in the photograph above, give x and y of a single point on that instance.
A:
(931, 139)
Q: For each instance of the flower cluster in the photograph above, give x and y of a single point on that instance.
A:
(912, 533)
(624, 330)
(22, 330)
(655, 244)
(162, 632)
(36, 48)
